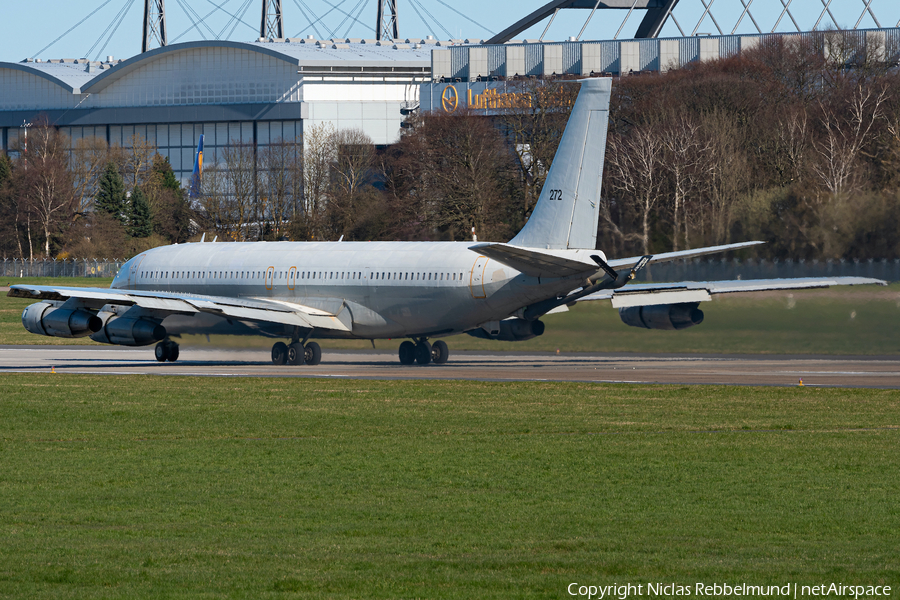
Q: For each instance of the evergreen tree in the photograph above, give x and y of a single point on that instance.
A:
(164, 169)
(140, 223)
(172, 212)
(110, 197)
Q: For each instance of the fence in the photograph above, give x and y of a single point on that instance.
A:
(15, 268)
(704, 269)
(699, 269)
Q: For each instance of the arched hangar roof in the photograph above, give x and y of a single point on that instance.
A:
(295, 53)
(71, 77)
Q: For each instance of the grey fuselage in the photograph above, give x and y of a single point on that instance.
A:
(378, 289)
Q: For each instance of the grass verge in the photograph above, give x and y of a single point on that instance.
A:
(191, 487)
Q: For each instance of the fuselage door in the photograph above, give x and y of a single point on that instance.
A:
(270, 278)
(476, 279)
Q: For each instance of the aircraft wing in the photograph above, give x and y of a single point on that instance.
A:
(538, 262)
(698, 291)
(244, 309)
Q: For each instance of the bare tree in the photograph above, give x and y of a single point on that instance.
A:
(240, 187)
(846, 131)
(634, 163)
(467, 166)
(319, 154)
(278, 164)
(725, 174)
(534, 124)
(213, 203)
(350, 172)
(46, 181)
(793, 138)
(137, 160)
(685, 153)
(89, 157)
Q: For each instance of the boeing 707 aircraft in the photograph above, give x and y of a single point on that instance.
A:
(298, 291)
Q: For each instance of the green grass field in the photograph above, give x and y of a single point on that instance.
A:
(168, 487)
(859, 320)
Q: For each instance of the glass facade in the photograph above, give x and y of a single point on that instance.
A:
(178, 141)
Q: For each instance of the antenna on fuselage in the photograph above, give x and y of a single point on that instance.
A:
(202, 237)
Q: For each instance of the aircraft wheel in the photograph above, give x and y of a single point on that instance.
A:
(161, 352)
(279, 353)
(296, 354)
(407, 353)
(423, 353)
(173, 352)
(313, 353)
(440, 352)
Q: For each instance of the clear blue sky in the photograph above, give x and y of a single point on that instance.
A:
(30, 26)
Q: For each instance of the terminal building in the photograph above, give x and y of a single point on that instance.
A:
(265, 91)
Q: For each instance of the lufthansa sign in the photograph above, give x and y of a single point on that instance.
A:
(449, 99)
(490, 97)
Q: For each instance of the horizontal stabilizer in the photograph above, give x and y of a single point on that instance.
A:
(669, 256)
(539, 263)
(697, 291)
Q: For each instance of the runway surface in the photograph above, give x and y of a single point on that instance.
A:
(839, 371)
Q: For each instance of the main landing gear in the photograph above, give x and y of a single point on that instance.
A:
(423, 353)
(167, 350)
(296, 353)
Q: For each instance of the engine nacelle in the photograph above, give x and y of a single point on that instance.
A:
(663, 316)
(45, 318)
(125, 331)
(511, 330)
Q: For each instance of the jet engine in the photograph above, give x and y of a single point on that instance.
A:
(45, 318)
(127, 331)
(663, 316)
(511, 330)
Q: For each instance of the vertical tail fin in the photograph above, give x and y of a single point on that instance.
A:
(197, 175)
(567, 212)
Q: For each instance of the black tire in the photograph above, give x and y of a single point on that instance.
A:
(407, 353)
(313, 353)
(173, 352)
(423, 353)
(161, 352)
(296, 354)
(279, 353)
(440, 352)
